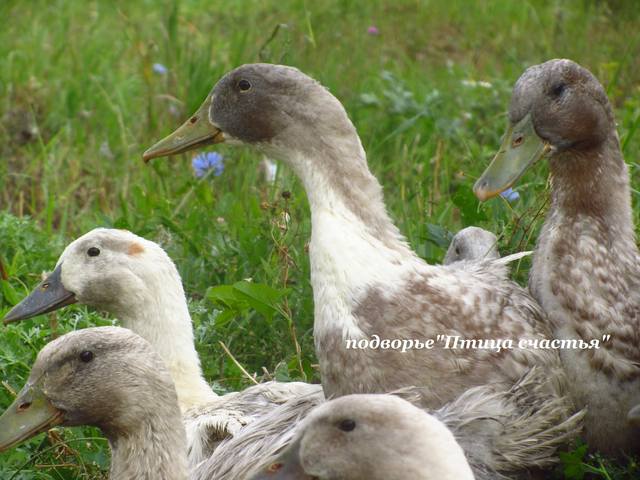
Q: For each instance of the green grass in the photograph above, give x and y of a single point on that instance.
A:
(79, 102)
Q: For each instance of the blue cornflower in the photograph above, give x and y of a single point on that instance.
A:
(510, 194)
(160, 69)
(204, 162)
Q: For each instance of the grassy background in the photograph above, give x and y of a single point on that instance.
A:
(80, 101)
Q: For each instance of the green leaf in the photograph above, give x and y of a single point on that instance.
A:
(438, 235)
(468, 204)
(224, 296)
(243, 296)
(224, 317)
(281, 373)
(261, 297)
(9, 293)
(572, 462)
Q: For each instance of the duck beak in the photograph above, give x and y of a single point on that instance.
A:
(634, 416)
(520, 149)
(50, 295)
(285, 467)
(197, 131)
(30, 414)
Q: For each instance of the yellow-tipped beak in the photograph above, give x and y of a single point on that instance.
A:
(520, 149)
(196, 132)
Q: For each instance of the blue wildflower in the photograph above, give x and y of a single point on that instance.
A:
(160, 69)
(510, 195)
(204, 162)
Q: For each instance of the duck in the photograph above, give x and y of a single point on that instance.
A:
(586, 268)
(486, 421)
(364, 436)
(135, 280)
(474, 247)
(241, 432)
(368, 284)
(110, 378)
(472, 244)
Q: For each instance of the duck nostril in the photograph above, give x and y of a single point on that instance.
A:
(193, 119)
(274, 467)
(517, 141)
(24, 406)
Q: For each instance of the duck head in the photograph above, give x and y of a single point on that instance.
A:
(366, 436)
(472, 244)
(557, 106)
(106, 268)
(275, 108)
(327, 440)
(97, 376)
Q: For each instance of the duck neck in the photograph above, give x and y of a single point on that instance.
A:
(161, 316)
(155, 449)
(354, 243)
(594, 183)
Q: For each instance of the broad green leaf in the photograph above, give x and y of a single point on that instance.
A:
(262, 298)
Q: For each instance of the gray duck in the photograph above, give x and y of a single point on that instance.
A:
(367, 281)
(110, 378)
(586, 267)
(365, 437)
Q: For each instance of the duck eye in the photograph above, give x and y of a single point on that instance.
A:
(457, 250)
(244, 85)
(558, 89)
(93, 252)
(86, 356)
(347, 425)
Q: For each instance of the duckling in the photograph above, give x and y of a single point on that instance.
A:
(370, 437)
(472, 244)
(366, 280)
(586, 267)
(135, 280)
(474, 248)
(110, 378)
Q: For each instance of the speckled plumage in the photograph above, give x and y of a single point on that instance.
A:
(586, 267)
(472, 303)
(366, 280)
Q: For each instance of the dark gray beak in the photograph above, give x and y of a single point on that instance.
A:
(285, 467)
(50, 295)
